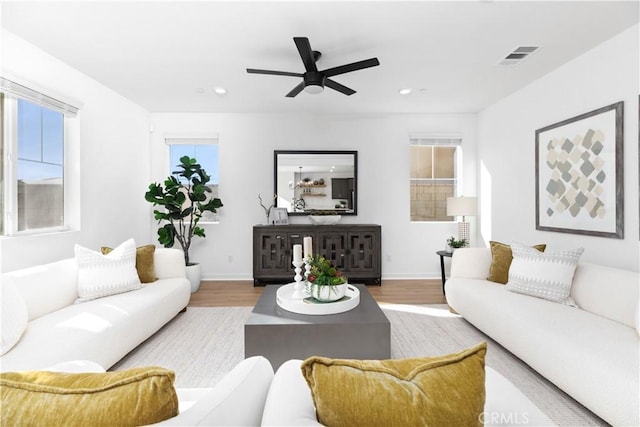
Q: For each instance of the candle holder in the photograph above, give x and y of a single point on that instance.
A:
(307, 271)
(298, 287)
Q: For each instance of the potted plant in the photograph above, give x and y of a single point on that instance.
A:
(456, 244)
(184, 199)
(326, 282)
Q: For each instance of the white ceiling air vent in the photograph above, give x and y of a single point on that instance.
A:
(518, 55)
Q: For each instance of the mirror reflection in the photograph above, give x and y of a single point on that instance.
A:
(307, 181)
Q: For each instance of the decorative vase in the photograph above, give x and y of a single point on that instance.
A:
(194, 274)
(325, 293)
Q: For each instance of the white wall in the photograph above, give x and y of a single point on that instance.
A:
(110, 158)
(506, 148)
(247, 142)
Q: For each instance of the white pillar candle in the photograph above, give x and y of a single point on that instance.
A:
(297, 253)
(308, 251)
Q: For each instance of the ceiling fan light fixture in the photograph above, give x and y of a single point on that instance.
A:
(313, 89)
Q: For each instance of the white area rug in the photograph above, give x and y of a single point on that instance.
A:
(203, 344)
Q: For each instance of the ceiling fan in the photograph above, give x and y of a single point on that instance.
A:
(314, 81)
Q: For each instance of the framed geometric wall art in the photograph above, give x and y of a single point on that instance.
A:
(579, 174)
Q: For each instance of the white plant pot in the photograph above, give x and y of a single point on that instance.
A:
(328, 293)
(194, 274)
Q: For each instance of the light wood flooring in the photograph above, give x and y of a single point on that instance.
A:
(222, 293)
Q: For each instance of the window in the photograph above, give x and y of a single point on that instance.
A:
(205, 151)
(33, 138)
(434, 176)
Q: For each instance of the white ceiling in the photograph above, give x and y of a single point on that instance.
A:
(161, 54)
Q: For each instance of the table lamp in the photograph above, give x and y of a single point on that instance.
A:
(462, 206)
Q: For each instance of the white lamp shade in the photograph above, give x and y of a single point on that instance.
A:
(461, 206)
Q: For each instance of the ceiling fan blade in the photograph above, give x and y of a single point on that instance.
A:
(275, 73)
(296, 90)
(372, 62)
(304, 48)
(337, 86)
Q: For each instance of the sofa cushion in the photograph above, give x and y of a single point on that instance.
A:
(472, 263)
(47, 287)
(102, 275)
(144, 262)
(133, 397)
(501, 258)
(443, 390)
(547, 275)
(13, 317)
(608, 292)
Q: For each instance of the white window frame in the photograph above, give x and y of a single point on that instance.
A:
(12, 92)
(190, 139)
(440, 140)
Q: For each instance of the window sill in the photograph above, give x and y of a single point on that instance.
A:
(40, 232)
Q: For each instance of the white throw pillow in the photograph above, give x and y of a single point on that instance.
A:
(102, 275)
(547, 275)
(13, 316)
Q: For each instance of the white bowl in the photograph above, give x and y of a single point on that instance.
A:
(324, 219)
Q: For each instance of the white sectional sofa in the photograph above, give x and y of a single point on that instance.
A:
(590, 352)
(102, 330)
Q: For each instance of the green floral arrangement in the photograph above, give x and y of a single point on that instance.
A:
(323, 273)
(456, 244)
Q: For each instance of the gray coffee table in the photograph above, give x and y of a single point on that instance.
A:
(279, 335)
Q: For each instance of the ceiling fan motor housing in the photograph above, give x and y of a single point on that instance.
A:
(313, 82)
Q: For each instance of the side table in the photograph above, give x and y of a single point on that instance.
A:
(442, 255)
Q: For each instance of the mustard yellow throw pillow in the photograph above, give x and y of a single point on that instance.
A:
(144, 262)
(501, 258)
(427, 391)
(136, 396)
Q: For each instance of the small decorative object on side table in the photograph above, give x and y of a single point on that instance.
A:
(442, 255)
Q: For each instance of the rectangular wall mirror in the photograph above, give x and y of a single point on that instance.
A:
(307, 181)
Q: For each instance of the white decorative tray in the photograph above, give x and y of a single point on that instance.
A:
(312, 306)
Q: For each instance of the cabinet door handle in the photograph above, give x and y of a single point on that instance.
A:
(295, 236)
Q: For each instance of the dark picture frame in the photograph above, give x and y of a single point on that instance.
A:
(315, 164)
(579, 174)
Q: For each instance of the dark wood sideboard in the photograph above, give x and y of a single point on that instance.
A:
(354, 248)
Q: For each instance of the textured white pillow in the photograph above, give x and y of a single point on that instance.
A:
(547, 275)
(13, 316)
(102, 275)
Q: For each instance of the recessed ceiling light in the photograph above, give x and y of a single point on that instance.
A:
(199, 90)
(422, 91)
(220, 90)
(405, 91)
